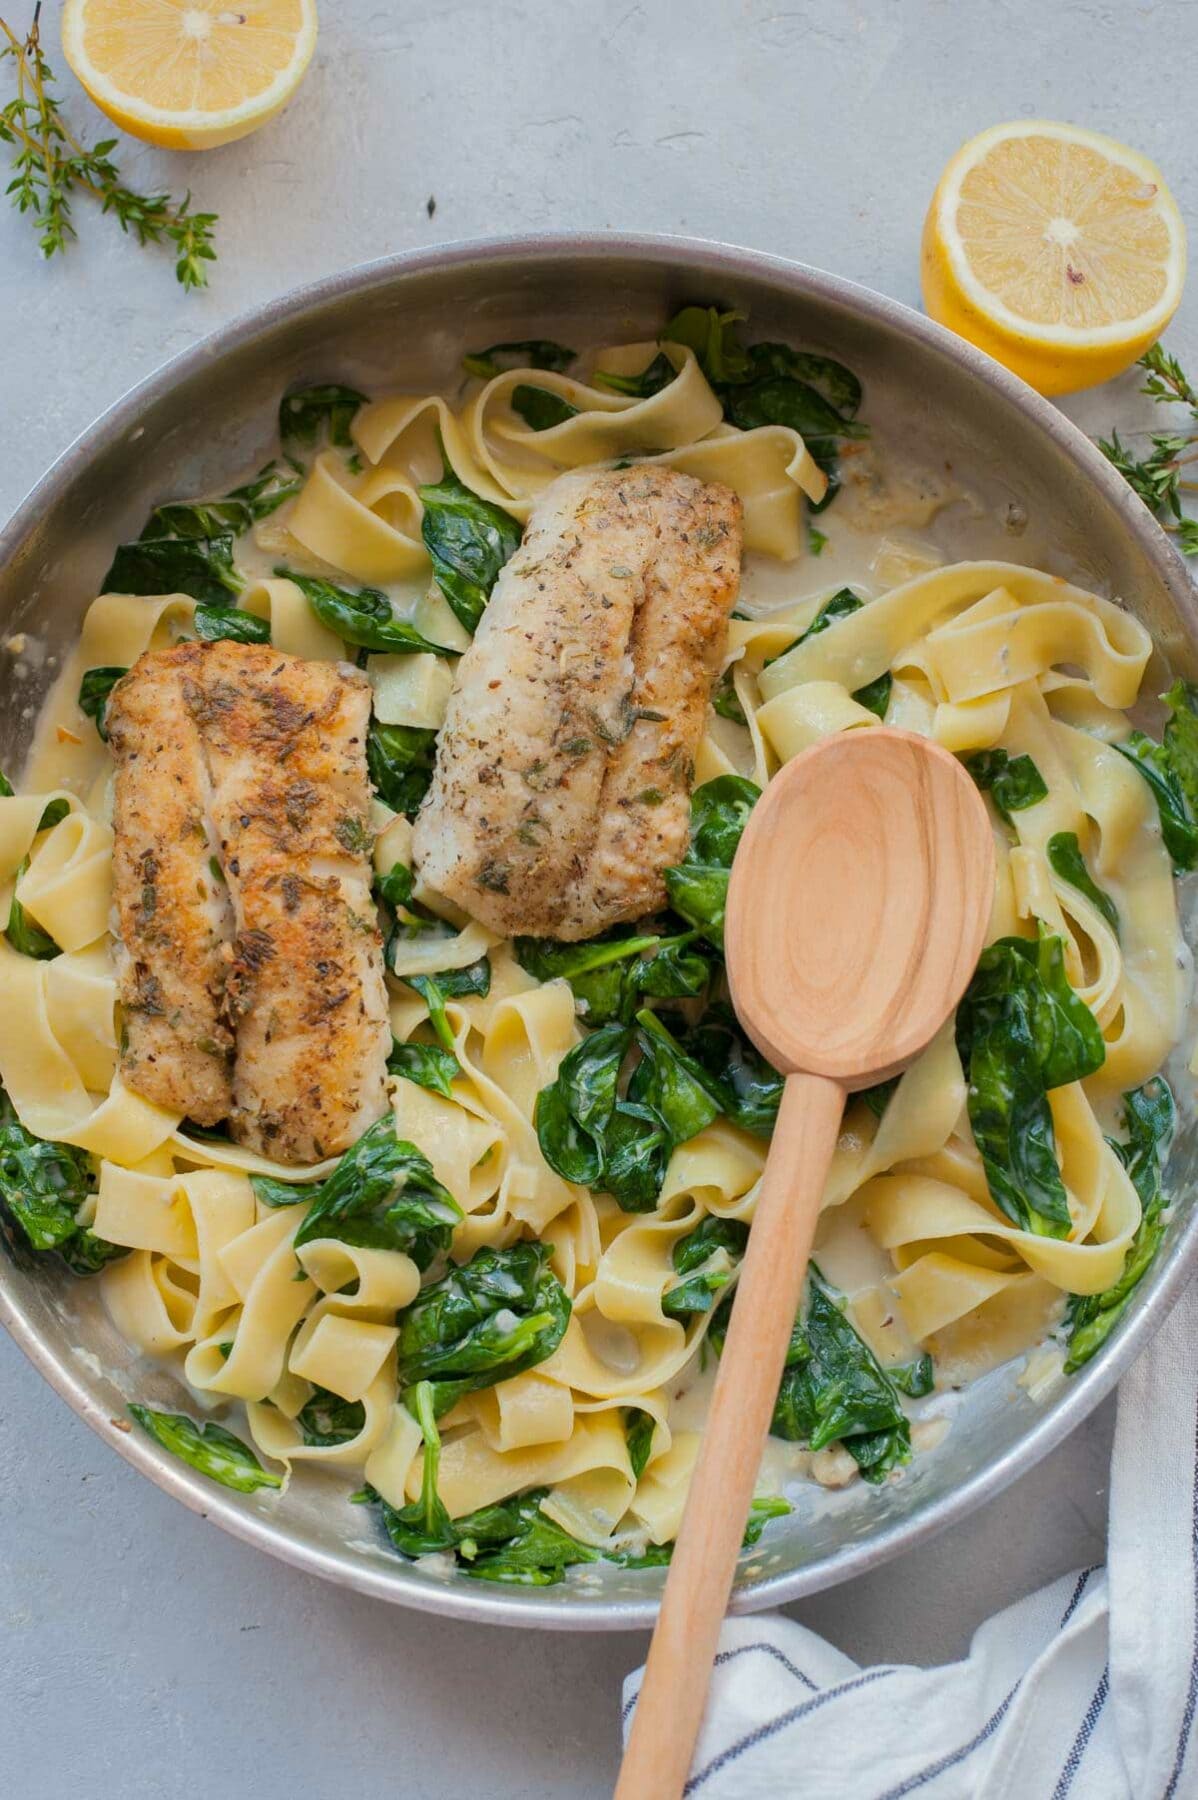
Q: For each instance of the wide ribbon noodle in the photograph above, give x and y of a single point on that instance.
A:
(981, 656)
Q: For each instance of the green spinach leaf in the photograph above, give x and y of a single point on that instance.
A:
(469, 541)
(639, 1427)
(497, 1315)
(229, 622)
(450, 984)
(698, 886)
(423, 1527)
(1066, 860)
(711, 334)
(199, 566)
(540, 408)
(273, 1192)
(383, 1195)
(529, 353)
(235, 513)
(209, 1448)
(748, 1089)
(1013, 782)
(327, 409)
(42, 1187)
(725, 702)
(400, 760)
(363, 618)
(1021, 1030)
(94, 689)
(652, 379)
(1156, 763)
(24, 933)
(1149, 1119)
(327, 1419)
(762, 1509)
(428, 1065)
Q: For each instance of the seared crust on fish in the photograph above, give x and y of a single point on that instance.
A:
(564, 767)
(281, 749)
(173, 916)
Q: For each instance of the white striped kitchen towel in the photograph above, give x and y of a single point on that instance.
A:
(1086, 1689)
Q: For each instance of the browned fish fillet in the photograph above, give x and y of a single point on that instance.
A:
(281, 746)
(564, 766)
(174, 921)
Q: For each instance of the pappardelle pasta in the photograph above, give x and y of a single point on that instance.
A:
(498, 1310)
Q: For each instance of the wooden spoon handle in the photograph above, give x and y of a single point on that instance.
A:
(673, 1694)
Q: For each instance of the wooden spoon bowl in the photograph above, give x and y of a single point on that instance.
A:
(857, 909)
(858, 904)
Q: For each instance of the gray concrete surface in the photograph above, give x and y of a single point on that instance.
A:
(142, 1653)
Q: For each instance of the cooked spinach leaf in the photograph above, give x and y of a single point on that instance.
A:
(536, 1554)
(711, 1234)
(209, 1448)
(878, 1097)
(383, 1195)
(1013, 782)
(591, 1136)
(540, 408)
(711, 334)
(469, 541)
(1066, 860)
(1021, 1030)
(327, 409)
(608, 973)
(639, 1427)
(236, 512)
(273, 1192)
(833, 1388)
(915, 1379)
(651, 380)
(687, 1299)
(399, 760)
(94, 689)
(199, 566)
(748, 1089)
(327, 1419)
(212, 623)
(698, 886)
(450, 984)
(362, 617)
(771, 384)
(574, 1112)
(497, 1315)
(423, 1527)
(428, 1065)
(1171, 770)
(875, 695)
(762, 1509)
(395, 887)
(24, 933)
(530, 353)
(724, 700)
(1149, 1118)
(42, 1187)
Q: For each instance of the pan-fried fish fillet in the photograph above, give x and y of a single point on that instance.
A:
(279, 745)
(286, 747)
(564, 767)
(173, 916)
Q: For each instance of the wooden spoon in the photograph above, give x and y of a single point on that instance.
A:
(857, 910)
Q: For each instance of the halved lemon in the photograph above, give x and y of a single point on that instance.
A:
(189, 74)
(1057, 250)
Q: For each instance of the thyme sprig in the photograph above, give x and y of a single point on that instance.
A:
(1158, 476)
(50, 165)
